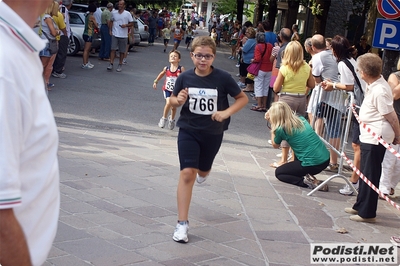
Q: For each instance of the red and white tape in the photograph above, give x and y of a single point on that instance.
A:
(358, 172)
(378, 138)
(365, 179)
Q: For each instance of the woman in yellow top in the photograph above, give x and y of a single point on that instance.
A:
(294, 79)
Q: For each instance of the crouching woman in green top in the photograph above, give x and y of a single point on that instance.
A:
(311, 154)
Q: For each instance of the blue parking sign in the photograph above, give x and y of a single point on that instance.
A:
(387, 34)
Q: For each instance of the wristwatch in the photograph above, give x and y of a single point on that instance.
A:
(334, 85)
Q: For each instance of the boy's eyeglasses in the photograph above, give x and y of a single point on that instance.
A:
(200, 56)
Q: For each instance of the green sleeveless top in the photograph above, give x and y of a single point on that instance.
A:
(88, 25)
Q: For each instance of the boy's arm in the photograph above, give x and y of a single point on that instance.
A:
(180, 99)
(159, 77)
(240, 101)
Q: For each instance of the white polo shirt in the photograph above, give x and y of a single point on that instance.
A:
(29, 175)
(378, 101)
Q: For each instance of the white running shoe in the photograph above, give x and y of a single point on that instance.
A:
(171, 123)
(200, 179)
(162, 122)
(347, 190)
(181, 232)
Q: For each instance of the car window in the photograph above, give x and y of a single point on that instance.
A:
(75, 19)
(135, 25)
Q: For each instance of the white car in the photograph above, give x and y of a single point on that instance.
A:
(143, 30)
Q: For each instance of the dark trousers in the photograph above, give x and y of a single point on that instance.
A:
(371, 167)
(61, 56)
(105, 47)
(152, 34)
(293, 172)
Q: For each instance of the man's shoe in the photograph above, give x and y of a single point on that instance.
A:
(350, 211)
(119, 68)
(358, 218)
(110, 66)
(57, 75)
(200, 179)
(347, 190)
(181, 232)
(162, 122)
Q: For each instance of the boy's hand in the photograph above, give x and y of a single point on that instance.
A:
(182, 96)
(220, 116)
(154, 85)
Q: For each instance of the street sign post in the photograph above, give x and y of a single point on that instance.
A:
(387, 34)
(389, 9)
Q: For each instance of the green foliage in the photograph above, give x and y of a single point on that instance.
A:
(230, 7)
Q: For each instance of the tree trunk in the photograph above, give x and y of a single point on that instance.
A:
(320, 20)
(272, 11)
(360, 27)
(390, 59)
(240, 4)
(292, 12)
(259, 11)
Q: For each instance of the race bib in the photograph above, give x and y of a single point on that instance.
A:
(170, 83)
(203, 101)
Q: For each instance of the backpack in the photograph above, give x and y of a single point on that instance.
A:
(358, 92)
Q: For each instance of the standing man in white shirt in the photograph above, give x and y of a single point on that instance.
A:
(121, 20)
(59, 62)
(29, 174)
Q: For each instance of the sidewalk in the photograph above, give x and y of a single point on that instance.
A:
(118, 207)
(118, 196)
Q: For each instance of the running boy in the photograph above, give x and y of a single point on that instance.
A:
(166, 32)
(171, 73)
(178, 35)
(203, 94)
(190, 32)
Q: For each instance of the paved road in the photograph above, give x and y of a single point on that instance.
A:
(119, 173)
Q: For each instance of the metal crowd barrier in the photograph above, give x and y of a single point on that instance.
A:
(332, 122)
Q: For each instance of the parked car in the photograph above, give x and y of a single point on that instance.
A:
(79, 8)
(143, 30)
(135, 34)
(76, 43)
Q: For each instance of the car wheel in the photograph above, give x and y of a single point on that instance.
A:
(73, 46)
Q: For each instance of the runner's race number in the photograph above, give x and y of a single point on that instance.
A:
(203, 101)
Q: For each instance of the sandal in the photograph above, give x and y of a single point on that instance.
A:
(246, 90)
(258, 109)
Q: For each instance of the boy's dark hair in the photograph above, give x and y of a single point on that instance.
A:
(177, 52)
(266, 25)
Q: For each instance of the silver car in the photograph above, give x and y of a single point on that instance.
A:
(76, 43)
(143, 30)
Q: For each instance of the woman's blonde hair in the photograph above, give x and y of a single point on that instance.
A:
(293, 56)
(252, 32)
(282, 116)
(52, 9)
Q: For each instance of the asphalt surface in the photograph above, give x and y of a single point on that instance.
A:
(119, 173)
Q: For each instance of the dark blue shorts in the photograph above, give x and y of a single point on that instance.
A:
(87, 38)
(197, 149)
(356, 131)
